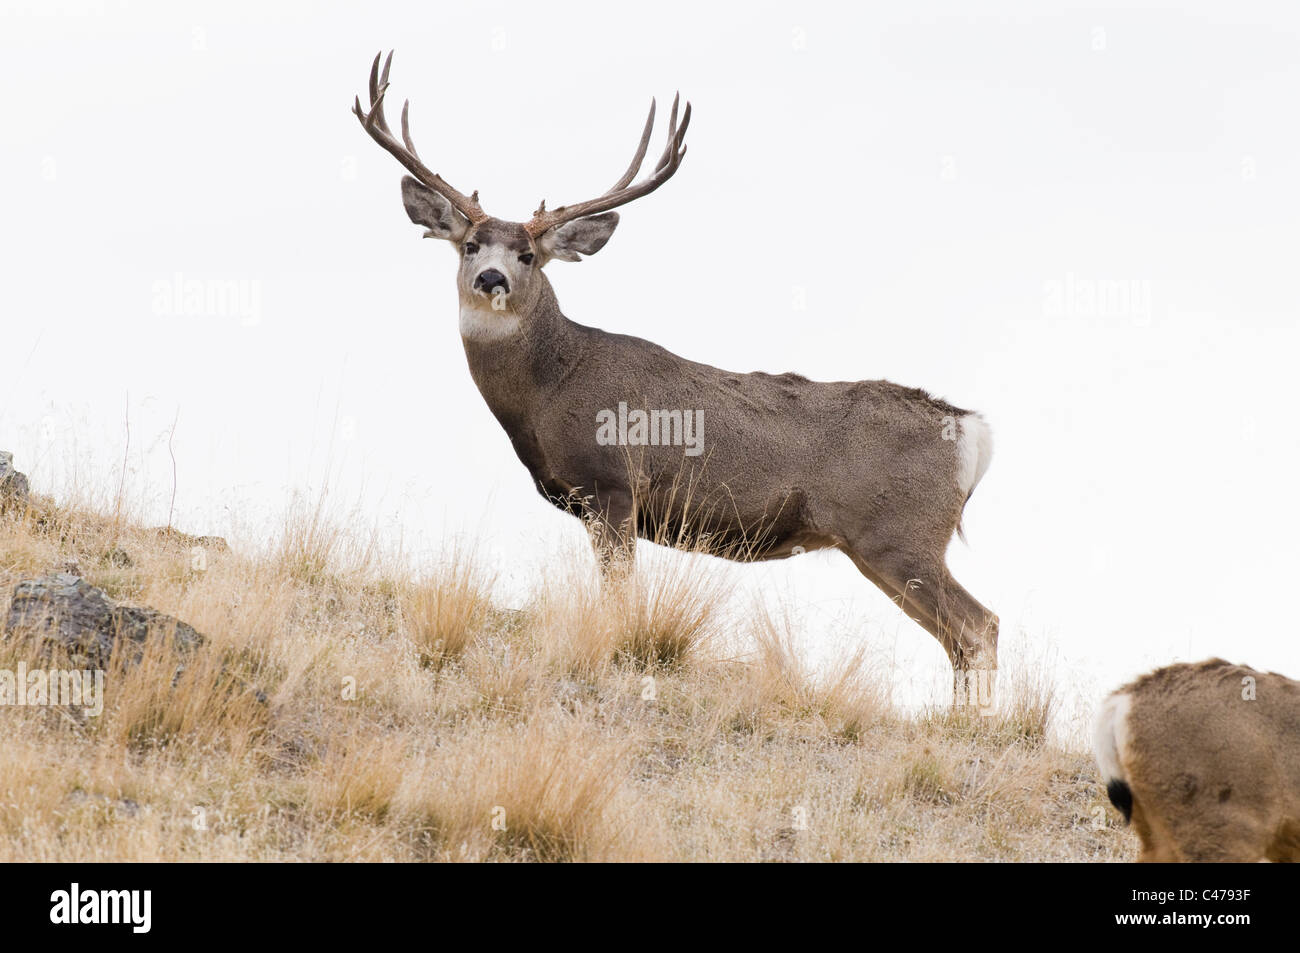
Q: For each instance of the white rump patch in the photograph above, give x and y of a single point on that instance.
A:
(1110, 735)
(974, 452)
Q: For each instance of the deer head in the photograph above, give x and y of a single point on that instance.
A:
(500, 260)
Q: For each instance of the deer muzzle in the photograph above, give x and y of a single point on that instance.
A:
(490, 280)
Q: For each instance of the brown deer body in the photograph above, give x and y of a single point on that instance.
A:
(642, 443)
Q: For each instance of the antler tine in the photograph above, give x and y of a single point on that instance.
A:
(622, 192)
(376, 126)
(406, 129)
(378, 87)
(675, 134)
(637, 159)
(672, 134)
(374, 77)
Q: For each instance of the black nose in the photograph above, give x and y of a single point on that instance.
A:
(490, 280)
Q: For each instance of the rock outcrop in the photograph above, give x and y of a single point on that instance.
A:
(14, 488)
(63, 610)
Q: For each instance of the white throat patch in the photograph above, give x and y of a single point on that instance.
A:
(482, 323)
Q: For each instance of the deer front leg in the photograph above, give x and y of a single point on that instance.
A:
(611, 525)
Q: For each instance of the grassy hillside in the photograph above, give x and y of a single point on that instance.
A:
(412, 719)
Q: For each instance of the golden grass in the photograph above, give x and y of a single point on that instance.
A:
(341, 712)
(446, 610)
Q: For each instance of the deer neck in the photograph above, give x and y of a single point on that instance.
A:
(518, 355)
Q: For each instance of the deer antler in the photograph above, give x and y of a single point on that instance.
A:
(620, 193)
(376, 126)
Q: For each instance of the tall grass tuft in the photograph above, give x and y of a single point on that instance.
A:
(445, 610)
(845, 697)
(665, 614)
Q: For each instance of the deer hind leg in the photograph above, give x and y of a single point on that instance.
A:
(926, 591)
(971, 625)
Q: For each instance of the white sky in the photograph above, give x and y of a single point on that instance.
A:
(929, 180)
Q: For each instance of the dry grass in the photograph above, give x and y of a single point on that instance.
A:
(341, 712)
(445, 611)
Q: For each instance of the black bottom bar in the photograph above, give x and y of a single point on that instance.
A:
(938, 902)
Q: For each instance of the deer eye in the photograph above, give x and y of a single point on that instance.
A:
(470, 248)
(526, 258)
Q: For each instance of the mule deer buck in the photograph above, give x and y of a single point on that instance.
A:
(1205, 760)
(611, 427)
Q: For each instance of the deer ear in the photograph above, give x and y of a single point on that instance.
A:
(583, 236)
(426, 207)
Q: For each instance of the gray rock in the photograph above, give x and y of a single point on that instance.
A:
(14, 488)
(64, 610)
